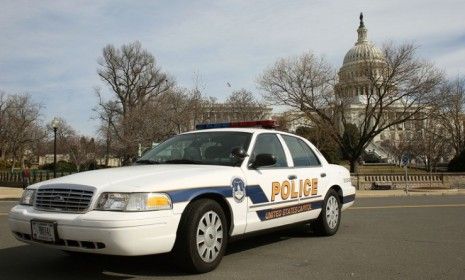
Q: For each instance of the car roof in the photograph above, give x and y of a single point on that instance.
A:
(238, 129)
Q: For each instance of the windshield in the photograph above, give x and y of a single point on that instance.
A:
(212, 148)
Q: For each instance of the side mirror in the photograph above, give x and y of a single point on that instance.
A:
(263, 160)
(239, 153)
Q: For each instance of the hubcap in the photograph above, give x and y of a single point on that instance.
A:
(209, 236)
(332, 212)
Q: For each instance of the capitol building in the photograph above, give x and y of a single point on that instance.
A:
(354, 87)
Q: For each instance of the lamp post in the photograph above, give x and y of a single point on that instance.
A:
(55, 124)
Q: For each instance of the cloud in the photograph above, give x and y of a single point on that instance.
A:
(50, 48)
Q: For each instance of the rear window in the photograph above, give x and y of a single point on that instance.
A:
(301, 153)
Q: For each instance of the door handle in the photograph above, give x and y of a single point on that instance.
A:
(291, 177)
(323, 175)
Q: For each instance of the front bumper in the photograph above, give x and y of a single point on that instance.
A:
(102, 232)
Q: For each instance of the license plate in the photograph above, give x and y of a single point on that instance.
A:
(43, 231)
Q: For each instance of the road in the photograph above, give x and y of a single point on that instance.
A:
(379, 238)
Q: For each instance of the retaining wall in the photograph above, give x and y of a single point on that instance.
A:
(399, 181)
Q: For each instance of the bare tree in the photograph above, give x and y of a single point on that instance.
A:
(452, 113)
(431, 145)
(209, 107)
(64, 133)
(3, 124)
(132, 74)
(20, 125)
(109, 114)
(81, 150)
(136, 82)
(398, 88)
(398, 148)
(284, 121)
(245, 106)
(182, 108)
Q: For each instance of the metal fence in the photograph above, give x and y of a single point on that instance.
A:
(435, 177)
(15, 178)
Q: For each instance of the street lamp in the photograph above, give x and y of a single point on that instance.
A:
(55, 124)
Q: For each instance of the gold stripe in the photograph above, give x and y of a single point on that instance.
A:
(406, 206)
(3, 214)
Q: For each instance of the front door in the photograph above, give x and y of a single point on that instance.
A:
(271, 190)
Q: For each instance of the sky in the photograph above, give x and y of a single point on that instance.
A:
(50, 49)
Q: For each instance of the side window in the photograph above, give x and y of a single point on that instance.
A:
(268, 143)
(302, 154)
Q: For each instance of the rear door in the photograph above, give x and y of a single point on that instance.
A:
(309, 174)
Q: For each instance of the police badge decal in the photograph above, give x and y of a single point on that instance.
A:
(238, 189)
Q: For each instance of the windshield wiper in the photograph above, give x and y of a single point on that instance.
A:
(183, 161)
(147, 161)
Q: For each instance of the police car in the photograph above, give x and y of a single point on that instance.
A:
(189, 195)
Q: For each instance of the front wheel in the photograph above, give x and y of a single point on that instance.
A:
(328, 222)
(202, 236)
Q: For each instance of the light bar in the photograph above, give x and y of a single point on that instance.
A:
(262, 124)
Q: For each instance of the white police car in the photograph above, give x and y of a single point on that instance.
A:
(189, 195)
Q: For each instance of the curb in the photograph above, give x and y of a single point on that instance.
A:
(413, 193)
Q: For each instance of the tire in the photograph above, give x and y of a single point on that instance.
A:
(202, 237)
(329, 219)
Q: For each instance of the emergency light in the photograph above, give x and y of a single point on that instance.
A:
(262, 124)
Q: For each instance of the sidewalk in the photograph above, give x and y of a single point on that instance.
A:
(15, 193)
(10, 193)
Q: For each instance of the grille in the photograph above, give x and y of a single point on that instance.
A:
(66, 242)
(63, 199)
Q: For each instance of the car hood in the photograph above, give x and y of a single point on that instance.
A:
(161, 177)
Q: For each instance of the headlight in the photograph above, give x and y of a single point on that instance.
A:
(28, 197)
(133, 202)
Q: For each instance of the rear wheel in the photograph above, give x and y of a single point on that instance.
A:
(328, 222)
(202, 236)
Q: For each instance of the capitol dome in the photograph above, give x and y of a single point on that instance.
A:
(353, 81)
(363, 50)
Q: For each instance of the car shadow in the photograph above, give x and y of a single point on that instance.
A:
(268, 238)
(35, 262)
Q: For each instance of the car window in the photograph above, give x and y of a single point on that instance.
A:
(212, 148)
(269, 143)
(302, 154)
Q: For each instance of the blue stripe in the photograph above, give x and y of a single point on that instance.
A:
(189, 194)
(255, 193)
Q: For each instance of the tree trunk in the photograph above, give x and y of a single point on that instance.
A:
(21, 159)
(108, 143)
(353, 165)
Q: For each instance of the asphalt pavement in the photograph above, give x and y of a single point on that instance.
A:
(416, 237)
